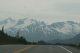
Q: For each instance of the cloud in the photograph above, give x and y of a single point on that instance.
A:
(49, 10)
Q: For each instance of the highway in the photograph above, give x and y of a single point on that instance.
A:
(37, 49)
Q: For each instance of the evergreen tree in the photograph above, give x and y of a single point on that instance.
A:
(3, 29)
(17, 36)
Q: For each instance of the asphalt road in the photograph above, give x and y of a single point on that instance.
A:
(37, 49)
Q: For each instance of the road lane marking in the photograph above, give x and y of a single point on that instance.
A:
(23, 49)
(65, 49)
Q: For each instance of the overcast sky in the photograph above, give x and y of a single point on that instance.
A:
(48, 10)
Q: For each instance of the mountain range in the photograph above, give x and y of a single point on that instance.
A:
(35, 30)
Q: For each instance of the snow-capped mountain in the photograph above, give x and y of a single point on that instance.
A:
(68, 27)
(9, 22)
(34, 30)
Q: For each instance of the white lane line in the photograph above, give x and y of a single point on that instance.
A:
(65, 49)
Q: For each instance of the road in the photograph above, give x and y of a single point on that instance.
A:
(37, 49)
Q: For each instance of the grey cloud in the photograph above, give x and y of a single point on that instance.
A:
(42, 9)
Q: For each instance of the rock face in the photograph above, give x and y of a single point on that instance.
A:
(34, 30)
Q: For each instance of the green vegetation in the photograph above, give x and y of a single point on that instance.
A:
(7, 39)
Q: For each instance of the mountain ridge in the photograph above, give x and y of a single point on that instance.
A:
(34, 30)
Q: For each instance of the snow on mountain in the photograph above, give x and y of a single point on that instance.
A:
(68, 27)
(9, 22)
(34, 30)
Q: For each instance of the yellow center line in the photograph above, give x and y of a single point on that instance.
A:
(23, 49)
